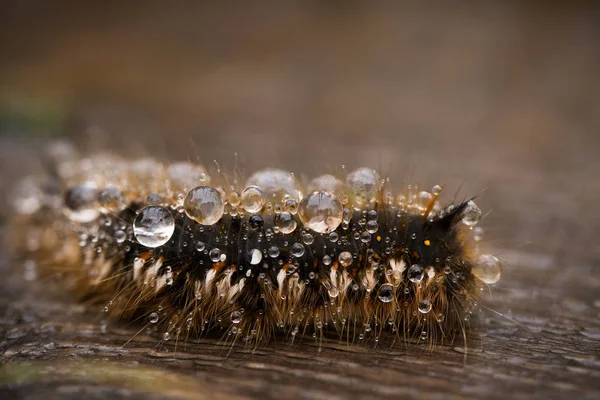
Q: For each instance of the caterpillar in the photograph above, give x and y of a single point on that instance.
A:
(187, 252)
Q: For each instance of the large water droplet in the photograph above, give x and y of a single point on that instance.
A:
(386, 293)
(321, 211)
(204, 205)
(487, 269)
(471, 214)
(252, 199)
(153, 226)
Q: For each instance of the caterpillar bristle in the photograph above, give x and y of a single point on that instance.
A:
(187, 253)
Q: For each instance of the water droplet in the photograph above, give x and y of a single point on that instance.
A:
(487, 269)
(326, 259)
(425, 306)
(297, 250)
(372, 226)
(285, 222)
(153, 318)
(215, 255)
(276, 184)
(236, 317)
(112, 200)
(334, 237)
(120, 236)
(415, 273)
(200, 246)
(204, 205)
(386, 293)
(184, 176)
(233, 198)
(436, 190)
(153, 226)
(255, 256)
(166, 336)
(154, 198)
(321, 211)
(273, 251)
(308, 239)
(345, 258)
(291, 206)
(471, 214)
(252, 199)
(326, 183)
(256, 222)
(81, 203)
(28, 196)
(364, 183)
(365, 237)
(333, 292)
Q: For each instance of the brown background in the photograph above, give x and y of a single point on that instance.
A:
(502, 99)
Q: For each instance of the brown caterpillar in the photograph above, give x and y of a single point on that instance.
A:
(189, 253)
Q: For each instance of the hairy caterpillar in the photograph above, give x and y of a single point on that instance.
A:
(188, 253)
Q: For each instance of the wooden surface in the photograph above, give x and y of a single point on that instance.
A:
(501, 100)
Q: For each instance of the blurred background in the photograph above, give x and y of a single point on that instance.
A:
(500, 99)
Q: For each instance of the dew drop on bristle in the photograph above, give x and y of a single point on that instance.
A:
(256, 222)
(297, 250)
(487, 269)
(307, 239)
(153, 318)
(471, 214)
(153, 226)
(255, 256)
(273, 251)
(321, 212)
(252, 199)
(81, 202)
(204, 205)
(363, 183)
(415, 273)
(425, 306)
(326, 183)
(285, 222)
(215, 255)
(385, 293)
(276, 184)
(184, 176)
(345, 259)
(200, 246)
(236, 317)
(111, 200)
